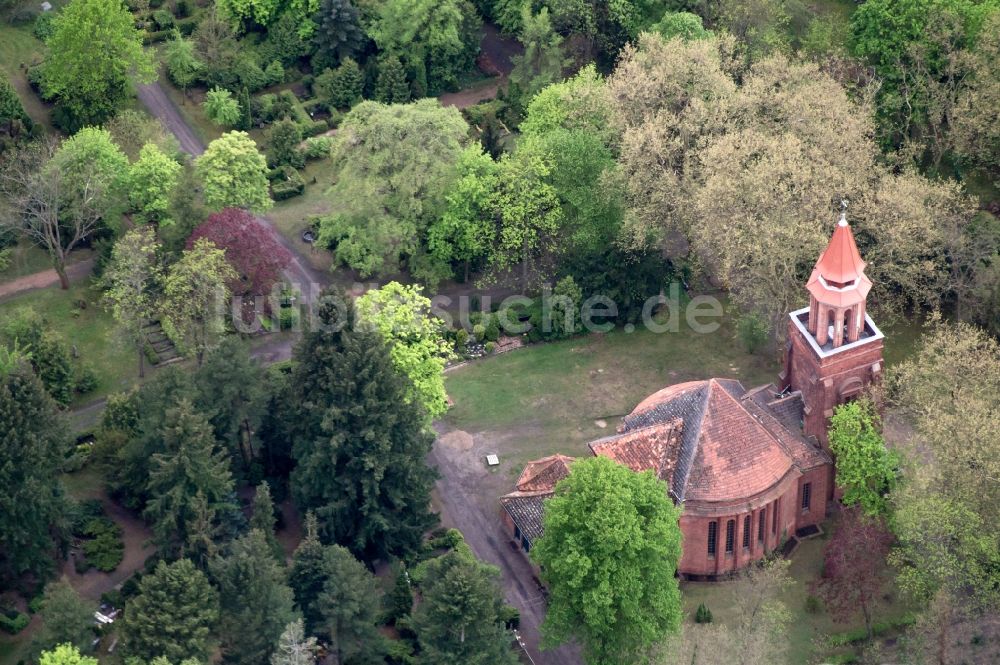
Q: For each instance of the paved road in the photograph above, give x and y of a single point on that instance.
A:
(459, 497)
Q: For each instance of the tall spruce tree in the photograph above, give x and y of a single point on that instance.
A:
(190, 466)
(255, 601)
(359, 445)
(32, 444)
(350, 605)
(306, 576)
(173, 615)
(66, 619)
(459, 619)
(263, 518)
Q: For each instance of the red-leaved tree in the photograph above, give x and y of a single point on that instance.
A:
(854, 566)
(251, 248)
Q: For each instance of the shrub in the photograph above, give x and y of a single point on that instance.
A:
(479, 332)
(105, 548)
(274, 73)
(492, 332)
(288, 184)
(182, 8)
(461, 339)
(313, 127)
(14, 625)
(156, 36)
(511, 617)
(80, 564)
(163, 19)
(221, 108)
(813, 605)
(288, 317)
(35, 604)
(703, 614)
(317, 147)
(878, 628)
(752, 330)
(490, 347)
(114, 598)
(86, 379)
(43, 25)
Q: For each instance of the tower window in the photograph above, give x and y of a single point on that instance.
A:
(806, 497)
(761, 519)
(730, 536)
(746, 532)
(713, 535)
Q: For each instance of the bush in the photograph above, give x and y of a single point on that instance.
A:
(163, 19)
(813, 605)
(80, 564)
(105, 548)
(43, 25)
(752, 330)
(86, 379)
(703, 614)
(461, 339)
(878, 628)
(14, 625)
(156, 36)
(274, 73)
(479, 332)
(317, 147)
(313, 127)
(490, 347)
(35, 604)
(288, 317)
(288, 184)
(492, 332)
(114, 598)
(511, 617)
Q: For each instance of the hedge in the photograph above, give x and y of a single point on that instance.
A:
(14, 625)
(313, 127)
(288, 185)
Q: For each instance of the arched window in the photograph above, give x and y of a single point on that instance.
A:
(761, 521)
(713, 536)
(746, 532)
(730, 536)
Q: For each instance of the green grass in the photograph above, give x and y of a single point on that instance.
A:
(91, 331)
(190, 107)
(18, 50)
(28, 258)
(807, 632)
(291, 216)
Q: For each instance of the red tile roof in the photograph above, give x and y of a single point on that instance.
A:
(543, 474)
(841, 261)
(653, 448)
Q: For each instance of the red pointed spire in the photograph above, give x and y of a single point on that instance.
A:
(841, 262)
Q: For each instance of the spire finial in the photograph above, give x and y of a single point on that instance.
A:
(843, 212)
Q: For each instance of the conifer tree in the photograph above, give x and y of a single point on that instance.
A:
(359, 445)
(263, 518)
(294, 648)
(255, 601)
(66, 619)
(190, 465)
(459, 619)
(391, 86)
(306, 576)
(173, 615)
(32, 444)
(350, 605)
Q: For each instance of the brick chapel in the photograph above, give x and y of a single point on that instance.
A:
(750, 468)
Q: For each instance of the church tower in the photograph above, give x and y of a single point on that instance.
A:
(834, 348)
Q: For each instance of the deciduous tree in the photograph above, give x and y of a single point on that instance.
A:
(623, 524)
(173, 615)
(854, 566)
(183, 65)
(65, 654)
(395, 164)
(222, 108)
(256, 256)
(151, 181)
(234, 174)
(94, 52)
(294, 648)
(131, 280)
(401, 315)
(195, 294)
(866, 469)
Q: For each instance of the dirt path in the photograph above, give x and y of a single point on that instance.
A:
(41, 280)
(459, 495)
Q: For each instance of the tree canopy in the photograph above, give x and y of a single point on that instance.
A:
(626, 600)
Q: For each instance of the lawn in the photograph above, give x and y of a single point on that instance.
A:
(19, 49)
(28, 258)
(806, 632)
(90, 330)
